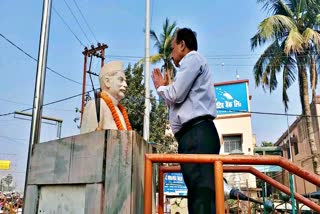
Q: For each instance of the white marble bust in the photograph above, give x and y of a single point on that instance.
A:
(113, 84)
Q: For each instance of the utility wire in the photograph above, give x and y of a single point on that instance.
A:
(64, 22)
(218, 56)
(12, 138)
(85, 20)
(231, 110)
(20, 49)
(19, 103)
(77, 21)
(268, 113)
(57, 101)
(10, 101)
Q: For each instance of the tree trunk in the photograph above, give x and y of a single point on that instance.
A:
(313, 77)
(169, 72)
(304, 94)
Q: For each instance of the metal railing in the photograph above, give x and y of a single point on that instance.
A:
(218, 161)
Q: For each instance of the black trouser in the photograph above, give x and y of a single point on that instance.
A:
(199, 138)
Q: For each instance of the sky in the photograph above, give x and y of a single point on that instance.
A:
(224, 29)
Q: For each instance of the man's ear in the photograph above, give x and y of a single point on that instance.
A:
(183, 45)
(107, 82)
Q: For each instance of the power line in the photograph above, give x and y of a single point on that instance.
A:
(57, 101)
(268, 113)
(27, 54)
(64, 22)
(19, 103)
(77, 21)
(85, 20)
(220, 56)
(10, 101)
(230, 110)
(12, 138)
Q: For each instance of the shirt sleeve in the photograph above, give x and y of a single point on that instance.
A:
(179, 89)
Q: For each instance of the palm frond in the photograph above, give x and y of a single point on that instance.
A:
(274, 26)
(273, 79)
(258, 71)
(156, 58)
(294, 42)
(279, 7)
(261, 68)
(285, 9)
(257, 40)
(311, 36)
(163, 42)
(318, 19)
(154, 37)
(288, 77)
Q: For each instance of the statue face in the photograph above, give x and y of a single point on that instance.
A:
(118, 85)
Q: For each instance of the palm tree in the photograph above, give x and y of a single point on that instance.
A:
(292, 33)
(163, 44)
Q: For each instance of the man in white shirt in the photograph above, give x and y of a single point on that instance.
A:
(192, 108)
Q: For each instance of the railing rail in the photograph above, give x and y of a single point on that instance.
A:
(248, 169)
(218, 161)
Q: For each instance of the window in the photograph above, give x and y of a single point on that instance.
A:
(288, 152)
(294, 141)
(232, 143)
(287, 145)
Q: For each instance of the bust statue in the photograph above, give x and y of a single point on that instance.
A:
(112, 114)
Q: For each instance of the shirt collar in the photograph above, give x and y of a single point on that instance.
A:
(191, 52)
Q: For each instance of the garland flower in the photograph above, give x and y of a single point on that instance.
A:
(114, 113)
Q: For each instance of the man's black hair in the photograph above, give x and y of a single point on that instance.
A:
(189, 38)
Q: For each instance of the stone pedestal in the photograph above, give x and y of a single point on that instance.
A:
(97, 172)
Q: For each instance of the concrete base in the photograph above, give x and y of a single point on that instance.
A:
(97, 172)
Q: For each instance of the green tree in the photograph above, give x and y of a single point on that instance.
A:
(293, 39)
(163, 45)
(266, 143)
(134, 103)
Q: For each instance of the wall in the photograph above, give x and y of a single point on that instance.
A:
(239, 124)
(299, 139)
(236, 120)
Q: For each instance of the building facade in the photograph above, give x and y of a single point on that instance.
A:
(234, 127)
(295, 146)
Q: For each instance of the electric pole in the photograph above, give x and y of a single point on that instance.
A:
(88, 53)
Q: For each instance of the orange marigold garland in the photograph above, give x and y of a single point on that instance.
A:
(114, 113)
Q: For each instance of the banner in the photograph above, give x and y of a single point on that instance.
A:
(174, 184)
(232, 98)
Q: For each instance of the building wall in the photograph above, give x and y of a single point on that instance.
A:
(237, 124)
(300, 148)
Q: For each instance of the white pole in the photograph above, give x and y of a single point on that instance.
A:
(39, 85)
(146, 119)
(291, 177)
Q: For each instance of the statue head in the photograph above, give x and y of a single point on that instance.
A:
(113, 80)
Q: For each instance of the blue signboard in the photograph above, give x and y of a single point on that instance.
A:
(232, 98)
(174, 184)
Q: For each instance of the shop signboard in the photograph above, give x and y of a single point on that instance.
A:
(232, 98)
